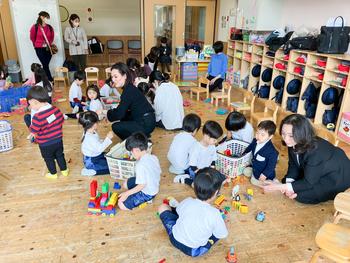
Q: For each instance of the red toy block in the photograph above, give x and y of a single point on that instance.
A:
(166, 201)
(93, 188)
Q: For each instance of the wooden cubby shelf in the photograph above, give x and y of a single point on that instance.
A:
(320, 69)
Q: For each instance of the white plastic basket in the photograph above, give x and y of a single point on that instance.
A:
(6, 140)
(120, 168)
(232, 166)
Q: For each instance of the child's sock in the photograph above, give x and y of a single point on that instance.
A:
(88, 172)
(181, 178)
(188, 181)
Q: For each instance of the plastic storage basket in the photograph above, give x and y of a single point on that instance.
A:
(120, 168)
(232, 166)
(6, 141)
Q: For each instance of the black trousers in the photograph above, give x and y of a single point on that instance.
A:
(145, 124)
(44, 56)
(79, 61)
(217, 83)
(27, 119)
(53, 152)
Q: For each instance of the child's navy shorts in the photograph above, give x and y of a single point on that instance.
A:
(138, 198)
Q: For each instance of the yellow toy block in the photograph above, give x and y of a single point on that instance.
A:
(250, 191)
(143, 205)
(113, 199)
(243, 209)
(219, 200)
(236, 205)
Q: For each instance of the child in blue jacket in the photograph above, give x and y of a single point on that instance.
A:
(264, 154)
(217, 67)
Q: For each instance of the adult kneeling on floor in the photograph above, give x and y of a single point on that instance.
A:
(317, 170)
(134, 113)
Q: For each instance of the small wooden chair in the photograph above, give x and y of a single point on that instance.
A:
(198, 90)
(61, 75)
(342, 207)
(225, 93)
(244, 105)
(91, 75)
(334, 243)
(269, 113)
(108, 72)
(326, 134)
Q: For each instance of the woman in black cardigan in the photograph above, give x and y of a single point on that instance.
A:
(317, 170)
(134, 113)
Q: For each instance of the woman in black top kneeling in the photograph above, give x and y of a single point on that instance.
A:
(317, 170)
(134, 113)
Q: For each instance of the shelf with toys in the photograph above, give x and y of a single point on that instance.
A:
(309, 72)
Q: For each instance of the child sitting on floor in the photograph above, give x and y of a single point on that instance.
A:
(145, 186)
(148, 91)
(264, 154)
(93, 100)
(92, 146)
(46, 128)
(108, 90)
(31, 80)
(195, 226)
(179, 150)
(75, 93)
(238, 128)
(202, 154)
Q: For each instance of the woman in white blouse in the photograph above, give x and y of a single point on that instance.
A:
(75, 36)
(168, 102)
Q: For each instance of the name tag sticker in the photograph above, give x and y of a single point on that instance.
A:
(260, 158)
(51, 118)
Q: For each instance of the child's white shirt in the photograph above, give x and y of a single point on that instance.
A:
(107, 91)
(197, 222)
(179, 150)
(148, 173)
(95, 105)
(168, 106)
(93, 146)
(245, 134)
(201, 156)
(75, 92)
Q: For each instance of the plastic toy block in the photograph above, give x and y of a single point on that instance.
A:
(166, 201)
(221, 111)
(113, 200)
(219, 200)
(236, 205)
(105, 187)
(162, 260)
(250, 191)
(91, 205)
(93, 188)
(228, 152)
(227, 208)
(208, 100)
(143, 205)
(231, 256)
(244, 209)
(237, 198)
(260, 216)
(235, 190)
(247, 197)
(157, 215)
(103, 201)
(117, 186)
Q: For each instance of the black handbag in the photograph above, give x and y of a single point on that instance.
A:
(334, 40)
(304, 43)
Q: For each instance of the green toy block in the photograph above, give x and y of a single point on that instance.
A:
(227, 208)
(105, 187)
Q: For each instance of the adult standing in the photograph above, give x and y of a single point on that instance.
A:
(134, 113)
(76, 37)
(317, 170)
(42, 35)
(168, 102)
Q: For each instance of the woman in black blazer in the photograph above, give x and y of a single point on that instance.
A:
(317, 170)
(134, 113)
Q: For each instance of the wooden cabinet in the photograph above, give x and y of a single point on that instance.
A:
(309, 67)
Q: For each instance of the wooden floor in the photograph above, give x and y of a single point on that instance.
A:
(46, 220)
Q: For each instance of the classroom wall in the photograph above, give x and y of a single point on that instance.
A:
(313, 13)
(224, 10)
(110, 17)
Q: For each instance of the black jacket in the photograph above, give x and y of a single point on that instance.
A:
(133, 105)
(320, 174)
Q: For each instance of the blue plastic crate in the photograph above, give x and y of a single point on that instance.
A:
(10, 97)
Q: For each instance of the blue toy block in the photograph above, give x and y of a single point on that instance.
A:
(207, 100)
(117, 186)
(260, 216)
(91, 205)
(247, 197)
(221, 111)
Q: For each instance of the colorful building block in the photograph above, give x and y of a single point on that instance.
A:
(219, 200)
(244, 209)
(250, 191)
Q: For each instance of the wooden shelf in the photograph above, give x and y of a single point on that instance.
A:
(296, 74)
(298, 63)
(313, 79)
(282, 70)
(334, 84)
(338, 72)
(246, 60)
(317, 67)
(268, 65)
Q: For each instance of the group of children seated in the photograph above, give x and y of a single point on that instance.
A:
(191, 161)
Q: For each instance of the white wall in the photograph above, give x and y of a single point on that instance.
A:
(225, 7)
(110, 17)
(312, 13)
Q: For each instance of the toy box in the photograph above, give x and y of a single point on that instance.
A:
(189, 71)
(110, 102)
(344, 127)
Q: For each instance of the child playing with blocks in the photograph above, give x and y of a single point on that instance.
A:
(92, 146)
(194, 226)
(179, 150)
(75, 93)
(46, 128)
(145, 185)
(264, 154)
(238, 128)
(202, 154)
